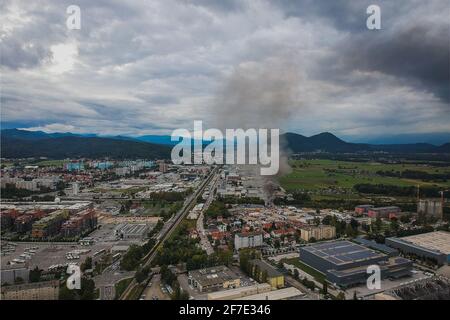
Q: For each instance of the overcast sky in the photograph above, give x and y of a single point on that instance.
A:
(148, 67)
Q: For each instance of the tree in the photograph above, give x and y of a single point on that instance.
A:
(327, 220)
(349, 231)
(340, 296)
(354, 224)
(405, 218)
(87, 264)
(378, 224)
(394, 226)
(264, 276)
(87, 291)
(65, 293)
(325, 287)
(35, 275)
(296, 274)
(131, 258)
(19, 280)
(167, 276)
(140, 275)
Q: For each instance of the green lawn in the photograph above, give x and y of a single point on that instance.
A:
(320, 277)
(136, 292)
(121, 286)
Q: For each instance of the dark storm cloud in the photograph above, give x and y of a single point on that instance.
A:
(412, 46)
(418, 54)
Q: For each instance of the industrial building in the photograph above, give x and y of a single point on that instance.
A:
(431, 207)
(267, 273)
(248, 240)
(239, 292)
(281, 294)
(434, 246)
(322, 232)
(362, 209)
(391, 252)
(345, 263)
(213, 278)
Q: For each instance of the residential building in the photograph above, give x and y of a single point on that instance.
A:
(264, 272)
(248, 240)
(321, 232)
(430, 207)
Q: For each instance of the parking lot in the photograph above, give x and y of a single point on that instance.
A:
(50, 254)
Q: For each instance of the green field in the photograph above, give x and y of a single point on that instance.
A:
(320, 277)
(122, 285)
(155, 208)
(316, 175)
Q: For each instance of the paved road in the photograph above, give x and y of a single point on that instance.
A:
(206, 245)
(153, 290)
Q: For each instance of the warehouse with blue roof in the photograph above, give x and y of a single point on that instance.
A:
(345, 263)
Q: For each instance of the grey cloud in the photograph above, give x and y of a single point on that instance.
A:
(156, 65)
(418, 53)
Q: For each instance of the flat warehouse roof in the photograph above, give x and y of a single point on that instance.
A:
(342, 252)
(437, 241)
(280, 294)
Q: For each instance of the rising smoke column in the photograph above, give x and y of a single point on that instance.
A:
(262, 94)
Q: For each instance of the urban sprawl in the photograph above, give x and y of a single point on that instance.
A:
(152, 230)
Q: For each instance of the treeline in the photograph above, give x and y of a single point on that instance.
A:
(298, 198)
(245, 258)
(340, 204)
(169, 196)
(416, 175)
(242, 200)
(392, 190)
(217, 209)
(11, 192)
(182, 248)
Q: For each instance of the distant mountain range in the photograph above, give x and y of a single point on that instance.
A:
(330, 143)
(26, 144)
(18, 143)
